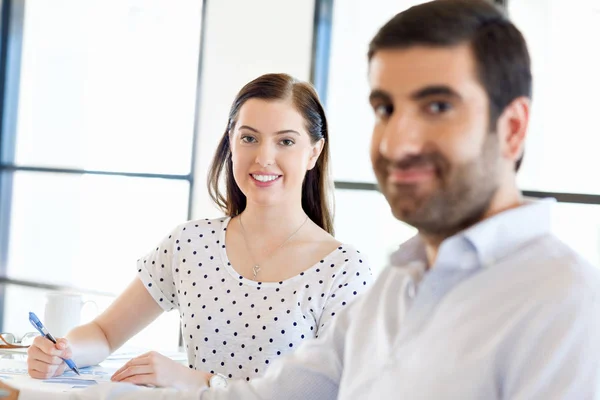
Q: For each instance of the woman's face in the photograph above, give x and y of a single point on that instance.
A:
(271, 152)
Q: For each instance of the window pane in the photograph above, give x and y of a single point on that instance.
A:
(373, 230)
(578, 225)
(562, 147)
(355, 22)
(86, 230)
(109, 84)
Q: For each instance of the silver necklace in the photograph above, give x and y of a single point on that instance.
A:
(256, 267)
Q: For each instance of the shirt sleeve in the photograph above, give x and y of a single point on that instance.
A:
(156, 268)
(351, 281)
(111, 391)
(558, 355)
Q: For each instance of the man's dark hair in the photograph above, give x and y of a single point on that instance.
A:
(503, 63)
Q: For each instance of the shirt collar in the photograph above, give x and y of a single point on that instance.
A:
(486, 242)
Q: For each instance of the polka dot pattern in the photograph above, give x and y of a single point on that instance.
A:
(236, 326)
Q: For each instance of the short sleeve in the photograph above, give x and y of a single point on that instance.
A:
(352, 280)
(155, 270)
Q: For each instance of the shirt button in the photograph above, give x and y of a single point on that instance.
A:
(411, 291)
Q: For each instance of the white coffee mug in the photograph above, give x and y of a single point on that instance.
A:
(63, 312)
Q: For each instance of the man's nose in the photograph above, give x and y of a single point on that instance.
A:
(402, 136)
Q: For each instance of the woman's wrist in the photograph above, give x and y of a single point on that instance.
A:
(196, 380)
(204, 378)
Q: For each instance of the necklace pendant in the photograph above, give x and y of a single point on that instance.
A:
(255, 270)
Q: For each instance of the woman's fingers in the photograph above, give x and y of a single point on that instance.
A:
(36, 354)
(131, 371)
(45, 345)
(41, 370)
(140, 360)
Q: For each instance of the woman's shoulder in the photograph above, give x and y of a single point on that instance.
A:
(343, 254)
(204, 224)
(197, 227)
(350, 254)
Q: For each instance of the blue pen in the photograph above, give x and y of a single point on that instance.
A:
(35, 321)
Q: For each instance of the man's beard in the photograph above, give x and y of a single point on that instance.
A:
(463, 194)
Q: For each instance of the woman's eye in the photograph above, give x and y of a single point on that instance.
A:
(248, 139)
(287, 142)
(439, 107)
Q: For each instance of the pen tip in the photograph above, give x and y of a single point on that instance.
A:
(76, 371)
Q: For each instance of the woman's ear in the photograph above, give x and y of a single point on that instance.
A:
(316, 150)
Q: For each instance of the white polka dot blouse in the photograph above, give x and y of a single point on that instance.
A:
(236, 326)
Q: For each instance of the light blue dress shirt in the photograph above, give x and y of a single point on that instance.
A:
(508, 311)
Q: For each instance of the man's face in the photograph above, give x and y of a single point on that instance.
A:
(432, 151)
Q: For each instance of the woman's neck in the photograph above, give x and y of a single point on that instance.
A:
(272, 220)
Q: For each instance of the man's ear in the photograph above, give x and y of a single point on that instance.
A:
(317, 148)
(511, 128)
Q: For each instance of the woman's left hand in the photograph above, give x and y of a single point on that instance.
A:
(8, 392)
(154, 369)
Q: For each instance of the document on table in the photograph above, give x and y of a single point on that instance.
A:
(14, 372)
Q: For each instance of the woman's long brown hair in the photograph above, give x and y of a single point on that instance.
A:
(316, 189)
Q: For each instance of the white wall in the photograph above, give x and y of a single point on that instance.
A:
(244, 39)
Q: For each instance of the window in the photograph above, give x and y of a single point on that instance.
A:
(102, 88)
(87, 230)
(564, 137)
(373, 231)
(561, 151)
(98, 124)
(578, 225)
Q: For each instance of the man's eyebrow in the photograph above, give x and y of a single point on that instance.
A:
(277, 133)
(437, 90)
(378, 94)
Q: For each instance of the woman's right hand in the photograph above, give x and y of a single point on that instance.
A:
(45, 359)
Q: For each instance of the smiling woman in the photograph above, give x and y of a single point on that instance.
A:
(279, 110)
(253, 285)
(276, 159)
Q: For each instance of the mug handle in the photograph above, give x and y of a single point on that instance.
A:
(90, 302)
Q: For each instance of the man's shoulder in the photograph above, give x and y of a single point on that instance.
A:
(385, 287)
(559, 267)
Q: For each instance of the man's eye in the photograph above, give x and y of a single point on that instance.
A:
(383, 110)
(439, 107)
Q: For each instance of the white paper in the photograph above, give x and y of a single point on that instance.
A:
(14, 372)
